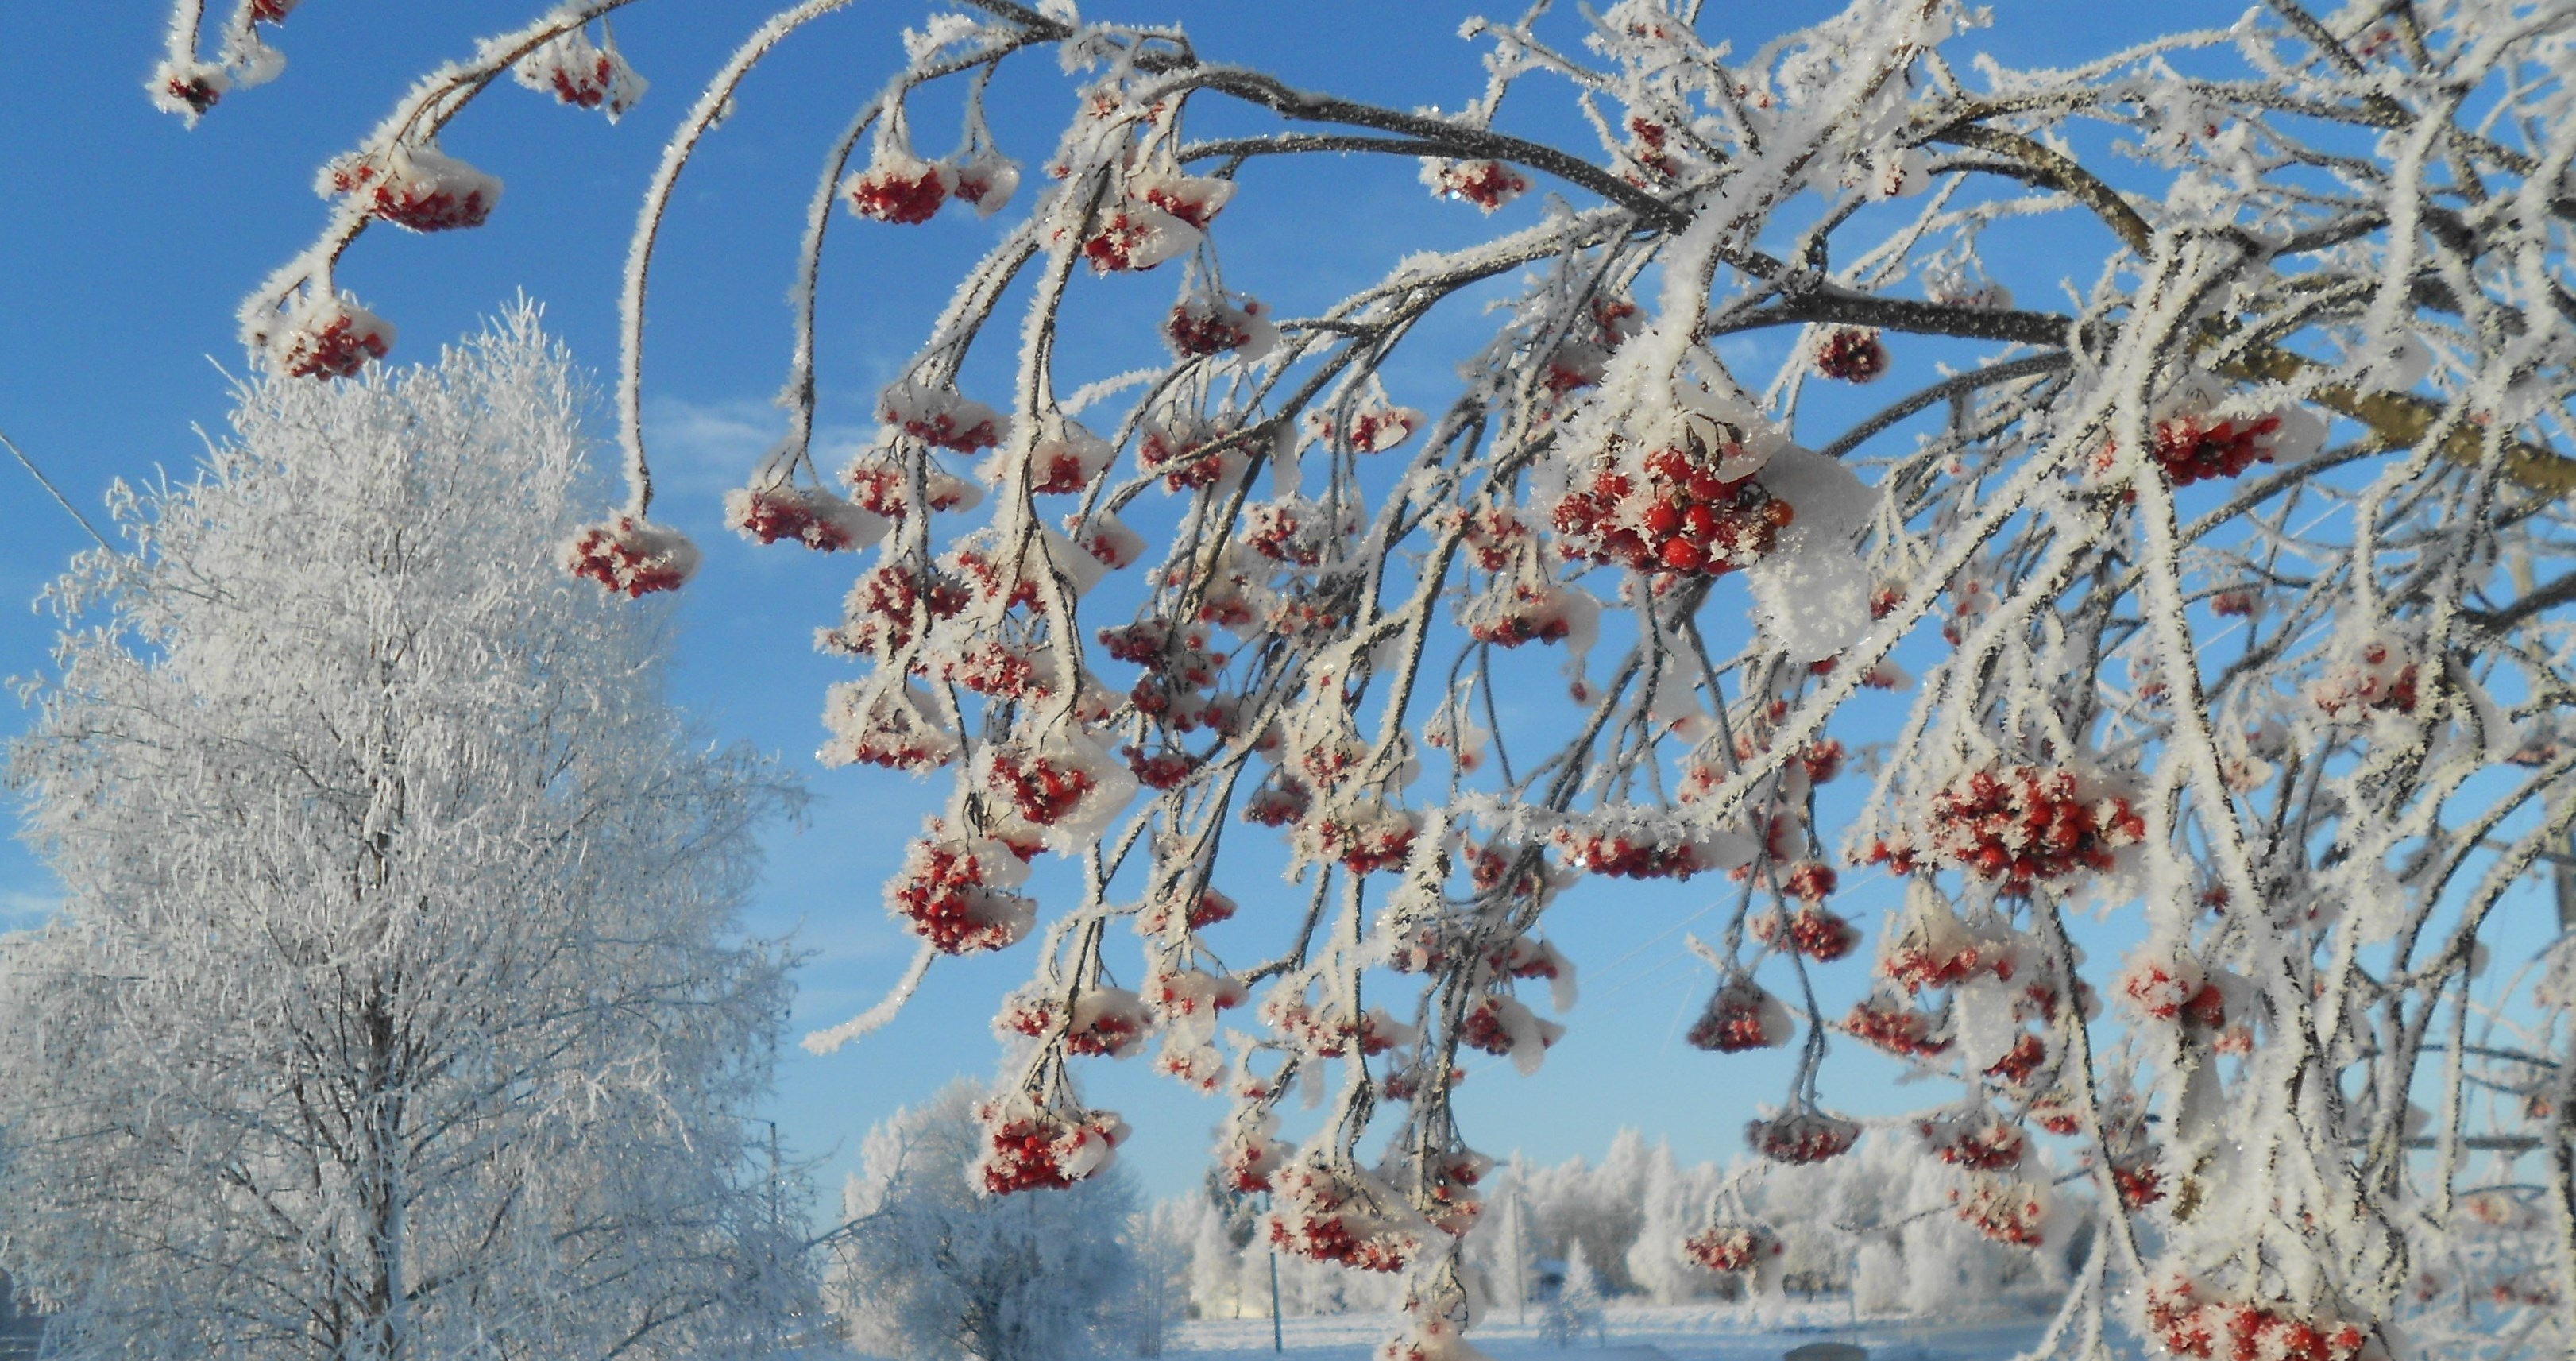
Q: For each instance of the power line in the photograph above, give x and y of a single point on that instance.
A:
(59, 499)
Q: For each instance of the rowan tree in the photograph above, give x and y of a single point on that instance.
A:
(2234, 577)
(396, 1006)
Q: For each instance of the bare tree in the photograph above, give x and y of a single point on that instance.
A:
(394, 1009)
(2236, 578)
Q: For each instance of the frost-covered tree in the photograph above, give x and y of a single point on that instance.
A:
(395, 1008)
(1162, 1242)
(2216, 494)
(1573, 1312)
(931, 1266)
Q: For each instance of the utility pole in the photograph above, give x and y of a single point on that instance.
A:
(1278, 1342)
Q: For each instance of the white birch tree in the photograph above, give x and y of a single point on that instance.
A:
(394, 1009)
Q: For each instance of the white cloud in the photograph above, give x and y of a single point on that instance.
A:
(704, 448)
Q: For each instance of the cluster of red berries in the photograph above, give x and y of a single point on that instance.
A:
(880, 484)
(1806, 1136)
(1822, 760)
(334, 340)
(2138, 1183)
(899, 188)
(1811, 931)
(1363, 834)
(1251, 1154)
(1278, 803)
(1487, 184)
(947, 893)
(1648, 153)
(1000, 670)
(2243, 1330)
(1041, 790)
(2165, 987)
(1364, 427)
(1932, 948)
(1190, 993)
(1680, 517)
(2006, 1211)
(194, 86)
(2020, 1063)
(417, 188)
(885, 607)
(942, 418)
(1741, 1016)
(1028, 1146)
(2190, 449)
(1291, 530)
(1179, 669)
(1325, 1034)
(1892, 1027)
(579, 74)
(1731, 1248)
(1178, 448)
(1169, 768)
(1850, 354)
(1501, 1025)
(2021, 825)
(1204, 325)
(895, 730)
(1207, 908)
(631, 556)
(815, 519)
(2378, 678)
(1522, 613)
(1449, 1184)
(1160, 217)
(1492, 535)
(1631, 855)
(1977, 1142)
(1327, 1216)
(1107, 1023)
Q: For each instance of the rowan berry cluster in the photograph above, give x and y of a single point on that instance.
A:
(2187, 1324)
(954, 893)
(1680, 515)
(332, 338)
(417, 188)
(2022, 826)
(1327, 1214)
(1731, 1248)
(1850, 354)
(1976, 1141)
(1886, 1024)
(2192, 448)
(889, 726)
(1806, 1136)
(2010, 1212)
(1821, 935)
(1028, 1146)
(1487, 184)
(1741, 1015)
(815, 519)
(631, 556)
(1202, 325)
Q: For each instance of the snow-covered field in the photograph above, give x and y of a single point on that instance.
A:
(1638, 1332)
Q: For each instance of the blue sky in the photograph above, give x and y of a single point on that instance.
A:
(128, 242)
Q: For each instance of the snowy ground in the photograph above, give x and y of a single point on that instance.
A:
(1632, 1333)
